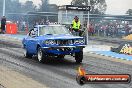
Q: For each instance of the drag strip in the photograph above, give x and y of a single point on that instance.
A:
(60, 73)
(6, 44)
(1, 86)
(110, 40)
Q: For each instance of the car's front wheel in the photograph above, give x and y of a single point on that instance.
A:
(40, 55)
(79, 57)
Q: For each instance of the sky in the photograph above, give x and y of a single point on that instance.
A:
(115, 7)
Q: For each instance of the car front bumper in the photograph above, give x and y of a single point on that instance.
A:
(63, 50)
(82, 46)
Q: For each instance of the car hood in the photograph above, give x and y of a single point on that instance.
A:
(63, 37)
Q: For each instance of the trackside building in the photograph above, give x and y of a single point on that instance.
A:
(66, 16)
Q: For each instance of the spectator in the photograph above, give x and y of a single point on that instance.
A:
(116, 30)
(127, 28)
(91, 30)
(76, 25)
(107, 30)
(97, 28)
(3, 23)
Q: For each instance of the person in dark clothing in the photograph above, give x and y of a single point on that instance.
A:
(3, 23)
(91, 29)
(127, 28)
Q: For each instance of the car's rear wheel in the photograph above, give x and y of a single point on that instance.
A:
(40, 55)
(79, 57)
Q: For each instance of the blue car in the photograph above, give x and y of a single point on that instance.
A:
(53, 41)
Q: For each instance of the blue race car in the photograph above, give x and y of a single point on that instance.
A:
(53, 40)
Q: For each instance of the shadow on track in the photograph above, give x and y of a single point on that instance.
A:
(59, 61)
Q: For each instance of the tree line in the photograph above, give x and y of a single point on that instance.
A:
(14, 6)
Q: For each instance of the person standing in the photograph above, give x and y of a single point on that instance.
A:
(127, 28)
(91, 29)
(76, 25)
(107, 30)
(3, 24)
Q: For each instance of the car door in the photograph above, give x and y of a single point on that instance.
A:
(32, 42)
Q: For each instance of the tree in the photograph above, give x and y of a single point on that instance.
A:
(129, 12)
(97, 6)
(53, 8)
(28, 6)
(13, 6)
(44, 6)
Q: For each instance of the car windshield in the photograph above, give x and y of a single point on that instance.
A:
(53, 30)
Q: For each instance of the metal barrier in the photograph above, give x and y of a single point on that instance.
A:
(11, 28)
(110, 33)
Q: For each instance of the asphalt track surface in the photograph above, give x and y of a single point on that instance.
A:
(110, 40)
(60, 73)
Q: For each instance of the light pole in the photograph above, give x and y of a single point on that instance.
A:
(87, 25)
(4, 8)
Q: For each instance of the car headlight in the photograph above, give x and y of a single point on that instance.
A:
(79, 41)
(50, 42)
